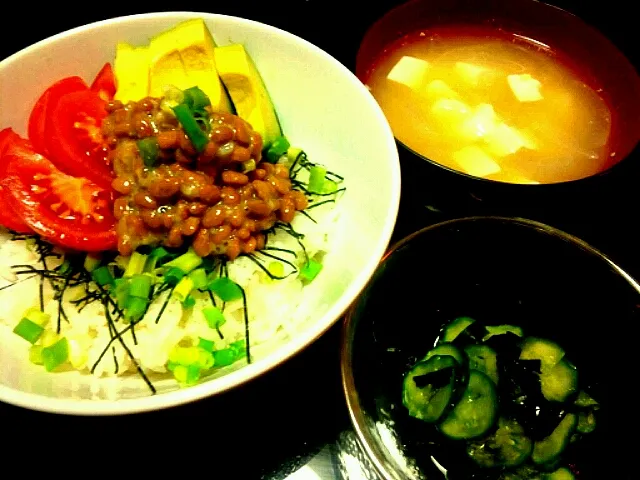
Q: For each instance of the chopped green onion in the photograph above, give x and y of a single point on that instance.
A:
(35, 354)
(189, 302)
(135, 308)
(205, 344)
(136, 264)
(55, 355)
(48, 338)
(28, 330)
(121, 292)
(249, 166)
(183, 288)
(37, 316)
(225, 288)
(224, 357)
(187, 375)
(184, 355)
(65, 267)
(239, 348)
(277, 149)
(214, 316)
(276, 269)
(310, 270)
(173, 276)
(317, 177)
(199, 277)
(159, 253)
(329, 186)
(205, 359)
(293, 153)
(195, 98)
(103, 276)
(91, 262)
(186, 262)
(140, 286)
(191, 128)
(149, 150)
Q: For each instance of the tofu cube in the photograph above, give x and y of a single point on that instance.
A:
(475, 161)
(409, 71)
(525, 87)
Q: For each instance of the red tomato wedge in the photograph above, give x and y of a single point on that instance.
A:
(74, 137)
(105, 83)
(43, 106)
(8, 217)
(69, 211)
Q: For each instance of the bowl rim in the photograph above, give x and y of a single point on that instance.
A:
(354, 407)
(293, 346)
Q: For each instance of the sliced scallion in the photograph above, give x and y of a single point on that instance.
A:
(310, 270)
(189, 302)
(317, 176)
(136, 264)
(149, 150)
(28, 330)
(277, 149)
(135, 308)
(199, 277)
(55, 355)
(205, 344)
(140, 286)
(103, 276)
(173, 275)
(91, 262)
(187, 375)
(224, 357)
(183, 289)
(214, 316)
(191, 127)
(195, 98)
(186, 262)
(225, 288)
(35, 354)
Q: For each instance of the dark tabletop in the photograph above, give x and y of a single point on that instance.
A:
(273, 424)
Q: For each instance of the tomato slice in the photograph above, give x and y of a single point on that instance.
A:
(69, 211)
(75, 141)
(38, 118)
(8, 217)
(105, 83)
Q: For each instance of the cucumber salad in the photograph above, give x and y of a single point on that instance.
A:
(513, 403)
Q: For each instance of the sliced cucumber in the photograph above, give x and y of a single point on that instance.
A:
(559, 382)
(501, 330)
(586, 422)
(523, 472)
(455, 328)
(584, 400)
(428, 387)
(562, 473)
(549, 448)
(447, 349)
(549, 353)
(476, 411)
(508, 446)
(484, 359)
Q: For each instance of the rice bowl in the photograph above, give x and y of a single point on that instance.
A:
(350, 236)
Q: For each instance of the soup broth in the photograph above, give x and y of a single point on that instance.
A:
(493, 105)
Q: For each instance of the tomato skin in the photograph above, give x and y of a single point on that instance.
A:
(75, 142)
(38, 119)
(105, 83)
(8, 217)
(28, 186)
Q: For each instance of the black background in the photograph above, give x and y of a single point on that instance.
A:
(272, 424)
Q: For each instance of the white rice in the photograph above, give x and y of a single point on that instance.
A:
(272, 305)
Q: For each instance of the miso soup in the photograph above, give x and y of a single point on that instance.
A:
(493, 105)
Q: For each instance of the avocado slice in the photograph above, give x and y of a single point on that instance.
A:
(184, 57)
(131, 69)
(247, 90)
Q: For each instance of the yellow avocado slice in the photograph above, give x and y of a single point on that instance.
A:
(131, 69)
(247, 91)
(184, 57)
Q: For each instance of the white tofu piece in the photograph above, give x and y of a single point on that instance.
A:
(450, 113)
(475, 161)
(505, 140)
(409, 71)
(481, 123)
(470, 72)
(437, 89)
(525, 87)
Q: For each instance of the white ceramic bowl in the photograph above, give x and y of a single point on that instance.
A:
(322, 107)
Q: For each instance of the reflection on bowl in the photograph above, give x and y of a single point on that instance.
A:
(299, 78)
(497, 92)
(500, 271)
